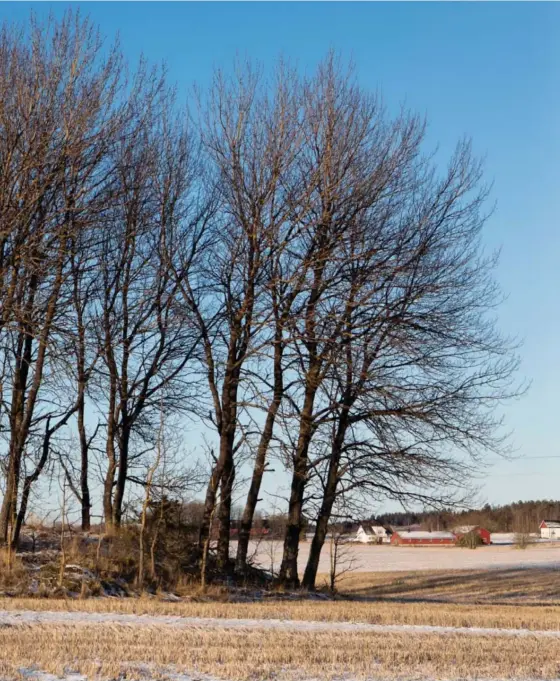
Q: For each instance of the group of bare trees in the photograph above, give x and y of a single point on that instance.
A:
(282, 265)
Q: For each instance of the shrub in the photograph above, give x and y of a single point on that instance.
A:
(522, 540)
(471, 540)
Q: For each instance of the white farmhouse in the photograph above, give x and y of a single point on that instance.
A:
(550, 529)
(372, 534)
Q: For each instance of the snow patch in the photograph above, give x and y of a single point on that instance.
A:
(28, 617)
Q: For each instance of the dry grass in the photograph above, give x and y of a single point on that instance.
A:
(106, 651)
(12, 569)
(509, 599)
(437, 614)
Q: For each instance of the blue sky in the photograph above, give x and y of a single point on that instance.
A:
(488, 71)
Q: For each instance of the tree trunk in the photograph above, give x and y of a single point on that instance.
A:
(288, 575)
(224, 515)
(111, 460)
(223, 466)
(17, 417)
(329, 497)
(108, 486)
(122, 474)
(260, 458)
(29, 480)
(252, 498)
(9, 503)
(85, 498)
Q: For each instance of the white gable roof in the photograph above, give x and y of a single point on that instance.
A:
(372, 529)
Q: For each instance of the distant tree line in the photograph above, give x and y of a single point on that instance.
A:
(521, 517)
(281, 265)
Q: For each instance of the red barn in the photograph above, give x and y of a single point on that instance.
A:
(422, 538)
(467, 529)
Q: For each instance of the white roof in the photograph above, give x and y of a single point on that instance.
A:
(372, 529)
(464, 529)
(552, 523)
(415, 534)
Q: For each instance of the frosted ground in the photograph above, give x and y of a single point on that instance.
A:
(386, 558)
(28, 618)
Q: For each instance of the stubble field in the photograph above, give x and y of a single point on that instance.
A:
(497, 620)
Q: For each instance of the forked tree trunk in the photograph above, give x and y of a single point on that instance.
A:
(327, 504)
(288, 575)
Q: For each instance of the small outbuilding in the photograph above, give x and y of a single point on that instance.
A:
(423, 538)
(550, 529)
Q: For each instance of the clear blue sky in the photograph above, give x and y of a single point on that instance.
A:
(489, 71)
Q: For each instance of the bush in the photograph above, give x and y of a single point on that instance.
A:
(471, 540)
(522, 540)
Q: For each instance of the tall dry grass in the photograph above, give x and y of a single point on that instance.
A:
(12, 570)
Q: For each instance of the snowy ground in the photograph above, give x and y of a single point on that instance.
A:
(29, 618)
(170, 675)
(387, 558)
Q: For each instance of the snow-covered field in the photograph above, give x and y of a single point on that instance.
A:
(386, 558)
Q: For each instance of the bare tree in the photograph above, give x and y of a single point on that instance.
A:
(86, 351)
(247, 140)
(346, 154)
(58, 113)
(147, 344)
(341, 557)
(409, 366)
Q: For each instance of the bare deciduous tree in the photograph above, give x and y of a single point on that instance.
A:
(57, 112)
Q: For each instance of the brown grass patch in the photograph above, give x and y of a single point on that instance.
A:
(106, 651)
(12, 570)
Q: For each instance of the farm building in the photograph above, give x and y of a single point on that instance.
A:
(372, 534)
(467, 529)
(422, 538)
(550, 529)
